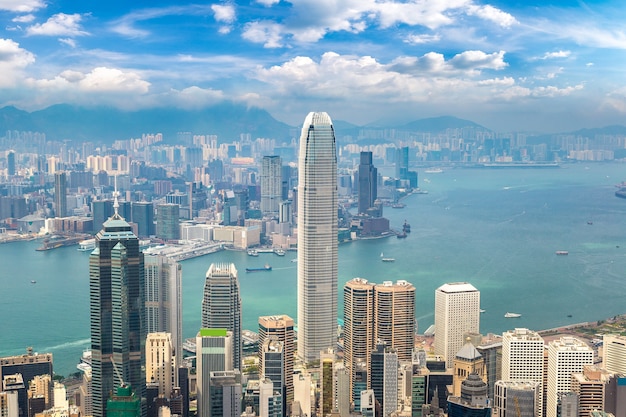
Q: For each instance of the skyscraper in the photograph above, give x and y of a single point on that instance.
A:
(60, 194)
(281, 328)
(317, 237)
(11, 163)
(143, 216)
(160, 362)
(271, 184)
(614, 347)
(221, 305)
(566, 356)
(117, 304)
(457, 311)
(394, 316)
(167, 221)
(523, 357)
(368, 176)
(358, 327)
(164, 299)
(213, 353)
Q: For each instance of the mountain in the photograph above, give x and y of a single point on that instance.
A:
(62, 121)
(439, 124)
(607, 130)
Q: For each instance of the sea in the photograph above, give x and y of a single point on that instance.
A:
(498, 229)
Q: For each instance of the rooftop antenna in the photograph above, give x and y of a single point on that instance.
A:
(116, 203)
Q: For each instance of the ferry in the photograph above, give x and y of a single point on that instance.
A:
(87, 245)
(253, 252)
(386, 259)
(512, 315)
(562, 252)
(267, 267)
(279, 252)
(434, 171)
(398, 205)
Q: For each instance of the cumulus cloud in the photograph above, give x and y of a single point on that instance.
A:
(556, 54)
(60, 24)
(25, 18)
(22, 6)
(468, 62)
(549, 91)
(13, 59)
(268, 3)
(224, 13)
(492, 14)
(194, 97)
(265, 32)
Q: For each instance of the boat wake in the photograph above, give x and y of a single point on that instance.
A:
(75, 343)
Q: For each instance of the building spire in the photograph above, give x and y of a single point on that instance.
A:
(116, 203)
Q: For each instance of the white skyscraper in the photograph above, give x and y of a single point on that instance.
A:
(214, 353)
(271, 184)
(614, 347)
(457, 311)
(522, 358)
(566, 356)
(317, 237)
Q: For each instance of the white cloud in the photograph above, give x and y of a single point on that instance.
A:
(13, 60)
(505, 81)
(68, 41)
(23, 6)
(556, 54)
(479, 59)
(265, 32)
(417, 39)
(549, 91)
(25, 18)
(268, 3)
(60, 24)
(224, 13)
(492, 14)
(194, 97)
(468, 62)
(125, 25)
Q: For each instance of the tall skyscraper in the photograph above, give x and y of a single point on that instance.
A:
(566, 356)
(164, 299)
(614, 347)
(358, 327)
(60, 194)
(273, 358)
(167, 226)
(457, 311)
(367, 177)
(117, 304)
(402, 163)
(271, 184)
(523, 357)
(143, 216)
(394, 316)
(221, 305)
(213, 354)
(280, 327)
(317, 237)
(11, 163)
(160, 362)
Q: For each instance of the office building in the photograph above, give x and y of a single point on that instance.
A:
(302, 394)
(367, 182)
(272, 361)
(358, 327)
(402, 163)
(517, 399)
(60, 194)
(160, 362)
(28, 366)
(614, 353)
(473, 401)
(341, 391)
(225, 393)
(124, 403)
(15, 385)
(467, 361)
(221, 305)
(167, 223)
(271, 185)
(457, 311)
(389, 395)
(394, 316)
(270, 400)
(490, 347)
(143, 217)
(368, 403)
(317, 237)
(9, 406)
(523, 357)
(566, 356)
(327, 360)
(117, 304)
(591, 387)
(567, 404)
(281, 328)
(213, 354)
(164, 299)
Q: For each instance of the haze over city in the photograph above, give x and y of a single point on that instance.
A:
(506, 65)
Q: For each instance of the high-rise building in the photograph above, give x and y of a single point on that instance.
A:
(457, 311)
(160, 362)
(117, 304)
(394, 316)
(213, 354)
(490, 347)
(167, 224)
(317, 237)
(60, 194)
(591, 388)
(367, 177)
(523, 358)
(225, 392)
(467, 361)
(614, 353)
(164, 299)
(327, 360)
(11, 163)
(271, 184)
(281, 328)
(124, 403)
(402, 163)
(221, 305)
(143, 217)
(358, 327)
(273, 359)
(566, 356)
(390, 382)
(516, 399)
(473, 400)
(9, 404)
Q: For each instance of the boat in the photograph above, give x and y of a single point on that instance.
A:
(406, 227)
(294, 260)
(386, 259)
(279, 252)
(87, 245)
(32, 281)
(401, 235)
(562, 252)
(398, 205)
(253, 252)
(267, 267)
(482, 311)
(434, 171)
(512, 315)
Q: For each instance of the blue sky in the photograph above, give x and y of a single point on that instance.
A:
(507, 64)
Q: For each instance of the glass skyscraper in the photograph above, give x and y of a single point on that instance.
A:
(317, 237)
(117, 320)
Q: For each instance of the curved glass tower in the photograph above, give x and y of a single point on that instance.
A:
(317, 237)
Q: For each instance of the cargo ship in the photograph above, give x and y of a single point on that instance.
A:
(267, 267)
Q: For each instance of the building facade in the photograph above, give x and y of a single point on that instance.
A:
(280, 328)
(271, 185)
(367, 178)
(317, 237)
(394, 316)
(60, 194)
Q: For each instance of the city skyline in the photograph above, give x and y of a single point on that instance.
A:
(506, 65)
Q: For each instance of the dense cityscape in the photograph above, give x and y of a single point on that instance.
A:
(151, 205)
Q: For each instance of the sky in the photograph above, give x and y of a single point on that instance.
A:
(510, 65)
